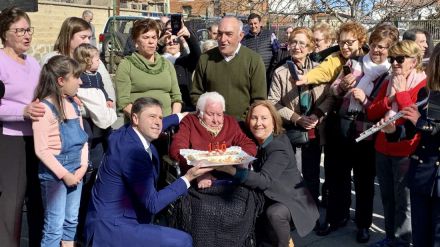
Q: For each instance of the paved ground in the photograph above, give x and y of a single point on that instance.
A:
(343, 237)
(346, 236)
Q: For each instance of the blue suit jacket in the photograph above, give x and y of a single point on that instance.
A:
(124, 197)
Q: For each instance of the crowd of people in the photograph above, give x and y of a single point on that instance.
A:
(284, 103)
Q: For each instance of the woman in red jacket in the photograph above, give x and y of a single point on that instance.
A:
(392, 158)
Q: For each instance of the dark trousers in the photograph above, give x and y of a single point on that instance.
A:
(425, 220)
(97, 143)
(391, 174)
(19, 169)
(345, 156)
(337, 180)
(274, 225)
(308, 160)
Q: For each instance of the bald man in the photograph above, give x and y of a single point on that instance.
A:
(233, 70)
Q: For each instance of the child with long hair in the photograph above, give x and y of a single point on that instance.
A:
(61, 146)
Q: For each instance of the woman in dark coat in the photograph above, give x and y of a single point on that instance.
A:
(277, 176)
(184, 63)
(424, 174)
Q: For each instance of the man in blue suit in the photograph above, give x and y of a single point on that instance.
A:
(124, 197)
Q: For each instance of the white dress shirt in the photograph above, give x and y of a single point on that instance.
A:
(147, 144)
(229, 58)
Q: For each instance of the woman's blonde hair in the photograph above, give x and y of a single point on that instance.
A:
(84, 54)
(407, 48)
(307, 32)
(276, 118)
(326, 29)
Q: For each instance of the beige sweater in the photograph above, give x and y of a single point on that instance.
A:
(285, 96)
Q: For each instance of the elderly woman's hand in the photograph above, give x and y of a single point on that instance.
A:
(347, 82)
(359, 95)
(307, 122)
(302, 80)
(390, 128)
(411, 113)
(399, 83)
(196, 172)
(205, 181)
(34, 110)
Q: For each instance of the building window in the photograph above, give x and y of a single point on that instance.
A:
(186, 10)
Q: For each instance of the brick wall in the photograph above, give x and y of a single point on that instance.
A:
(47, 22)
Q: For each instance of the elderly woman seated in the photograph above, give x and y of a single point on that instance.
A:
(209, 127)
(220, 212)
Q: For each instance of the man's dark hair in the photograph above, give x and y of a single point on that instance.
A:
(410, 34)
(253, 16)
(143, 102)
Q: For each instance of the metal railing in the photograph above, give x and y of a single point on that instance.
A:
(432, 26)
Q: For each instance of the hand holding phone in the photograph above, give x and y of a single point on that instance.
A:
(346, 69)
(292, 70)
(176, 23)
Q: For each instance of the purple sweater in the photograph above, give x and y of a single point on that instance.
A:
(20, 82)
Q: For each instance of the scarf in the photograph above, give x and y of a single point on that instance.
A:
(370, 72)
(146, 66)
(172, 58)
(212, 131)
(413, 79)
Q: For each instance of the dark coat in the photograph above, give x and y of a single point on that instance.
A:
(423, 173)
(276, 174)
(124, 197)
(185, 66)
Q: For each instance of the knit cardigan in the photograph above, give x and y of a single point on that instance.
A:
(193, 135)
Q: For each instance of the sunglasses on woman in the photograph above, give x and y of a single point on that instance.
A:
(173, 42)
(398, 59)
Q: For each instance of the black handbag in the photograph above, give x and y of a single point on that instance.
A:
(297, 135)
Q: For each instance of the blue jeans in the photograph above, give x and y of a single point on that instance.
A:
(61, 204)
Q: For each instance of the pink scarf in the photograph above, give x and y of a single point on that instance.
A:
(413, 79)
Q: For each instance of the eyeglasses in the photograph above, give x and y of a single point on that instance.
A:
(22, 31)
(398, 59)
(301, 44)
(173, 42)
(347, 42)
(318, 40)
(379, 47)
